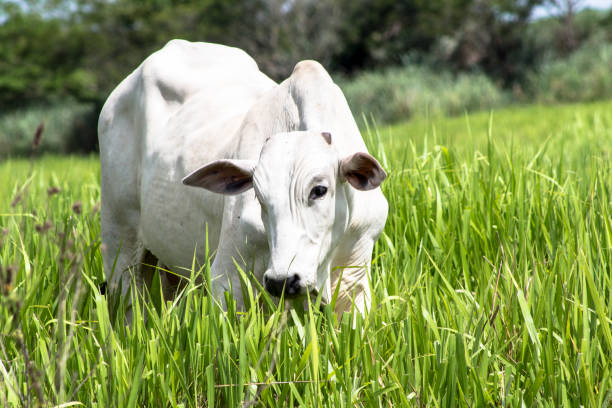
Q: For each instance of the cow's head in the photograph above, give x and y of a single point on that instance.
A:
(299, 181)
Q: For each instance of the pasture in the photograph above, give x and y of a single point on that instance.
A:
(491, 285)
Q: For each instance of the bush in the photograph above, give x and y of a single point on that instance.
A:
(583, 76)
(401, 93)
(68, 127)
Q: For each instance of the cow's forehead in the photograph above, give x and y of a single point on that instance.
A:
(297, 138)
(295, 154)
(297, 149)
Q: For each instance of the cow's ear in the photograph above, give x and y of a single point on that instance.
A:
(223, 176)
(362, 171)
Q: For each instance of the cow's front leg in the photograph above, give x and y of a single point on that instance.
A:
(349, 275)
(225, 272)
(225, 278)
(242, 245)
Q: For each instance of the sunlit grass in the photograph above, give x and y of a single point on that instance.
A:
(491, 285)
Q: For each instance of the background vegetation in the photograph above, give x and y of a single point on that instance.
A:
(491, 282)
(491, 286)
(394, 59)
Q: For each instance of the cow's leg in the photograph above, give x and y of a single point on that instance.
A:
(225, 275)
(123, 255)
(349, 274)
(171, 282)
(224, 278)
(134, 264)
(242, 244)
(241, 249)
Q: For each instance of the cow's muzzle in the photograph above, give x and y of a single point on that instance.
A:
(291, 286)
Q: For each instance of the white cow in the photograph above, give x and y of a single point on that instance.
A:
(197, 139)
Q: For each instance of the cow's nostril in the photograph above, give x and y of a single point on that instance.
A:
(274, 286)
(290, 285)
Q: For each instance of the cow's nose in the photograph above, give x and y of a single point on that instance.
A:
(291, 286)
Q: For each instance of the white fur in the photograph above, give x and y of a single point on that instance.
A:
(190, 104)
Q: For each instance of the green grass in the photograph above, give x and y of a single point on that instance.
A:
(491, 286)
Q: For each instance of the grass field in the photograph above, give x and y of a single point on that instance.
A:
(491, 286)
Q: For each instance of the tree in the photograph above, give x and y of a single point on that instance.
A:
(490, 37)
(567, 34)
(40, 59)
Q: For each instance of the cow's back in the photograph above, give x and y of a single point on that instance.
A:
(149, 123)
(200, 76)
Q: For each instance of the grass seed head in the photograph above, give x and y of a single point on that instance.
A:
(7, 275)
(53, 190)
(77, 207)
(38, 135)
(42, 228)
(16, 200)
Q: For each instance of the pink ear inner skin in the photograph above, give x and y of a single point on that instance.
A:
(362, 171)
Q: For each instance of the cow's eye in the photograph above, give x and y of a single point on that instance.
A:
(317, 192)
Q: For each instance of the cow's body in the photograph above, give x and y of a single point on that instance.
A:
(192, 103)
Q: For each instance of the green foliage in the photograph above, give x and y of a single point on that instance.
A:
(402, 93)
(464, 34)
(40, 61)
(68, 127)
(491, 286)
(583, 76)
(486, 53)
(83, 48)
